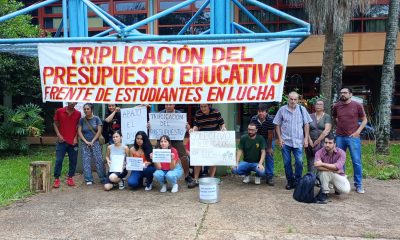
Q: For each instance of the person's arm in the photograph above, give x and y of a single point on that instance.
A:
(356, 134)
(239, 153)
(98, 133)
(108, 158)
(81, 135)
(306, 134)
(262, 158)
(174, 158)
(157, 166)
(269, 144)
(111, 116)
(327, 130)
(321, 166)
(278, 134)
(56, 125)
(222, 127)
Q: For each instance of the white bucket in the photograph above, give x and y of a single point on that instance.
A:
(209, 190)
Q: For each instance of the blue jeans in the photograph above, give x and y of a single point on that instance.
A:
(269, 162)
(245, 168)
(135, 180)
(287, 162)
(354, 145)
(170, 176)
(61, 150)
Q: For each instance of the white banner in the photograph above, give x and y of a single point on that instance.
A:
(162, 155)
(170, 124)
(133, 120)
(134, 164)
(216, 148)
(160, 73)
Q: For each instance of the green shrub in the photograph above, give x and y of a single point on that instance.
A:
(18, 124)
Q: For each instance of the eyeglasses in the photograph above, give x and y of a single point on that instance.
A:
(251, 129)
(344, 92)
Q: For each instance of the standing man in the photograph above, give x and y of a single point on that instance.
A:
(65, 125)
(329, 162)
(292, 128)
(180, 147)
(252, 146)
(346, 113)
(265, 128)
(207, 119)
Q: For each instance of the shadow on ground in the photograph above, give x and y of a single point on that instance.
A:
(244, 212)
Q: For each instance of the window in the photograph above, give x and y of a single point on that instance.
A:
(129, 6)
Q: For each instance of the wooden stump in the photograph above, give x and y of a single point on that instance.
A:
(40, 176)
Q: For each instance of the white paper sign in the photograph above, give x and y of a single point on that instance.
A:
(170, 124)
(162, 155)
(134, 163)
(208, 192)
(117, 163)
(133, 120)
(212, 148)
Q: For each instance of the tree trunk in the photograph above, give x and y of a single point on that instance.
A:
(337, 68)
(328, 62)
(385, 100)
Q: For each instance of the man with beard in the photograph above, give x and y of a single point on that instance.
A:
(329, 161)
(346, 113)
(252, 146)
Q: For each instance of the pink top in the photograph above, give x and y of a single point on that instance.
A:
(338, 158)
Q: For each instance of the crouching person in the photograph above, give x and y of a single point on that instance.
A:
(329, 162)
(252, 147)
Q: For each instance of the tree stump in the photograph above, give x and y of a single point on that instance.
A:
(40, 176)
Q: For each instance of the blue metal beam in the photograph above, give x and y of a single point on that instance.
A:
(101, 15)
(26, 10)
(200, 11)
(251, 16)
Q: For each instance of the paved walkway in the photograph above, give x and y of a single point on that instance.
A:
(244, 212)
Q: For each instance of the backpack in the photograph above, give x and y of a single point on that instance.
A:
(304, 191)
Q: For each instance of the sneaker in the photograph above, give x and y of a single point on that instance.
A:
(163, 188)
(70, 182)
(121, 184)
(257, 180)
(188, 179)
(270, 181)
(322, 198)
(56, 183)
(360, 190)
(89, 183)
(194, 183)
(246, 179)
(175, 188)
(149, 187)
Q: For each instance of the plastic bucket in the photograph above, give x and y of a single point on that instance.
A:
(209, 190)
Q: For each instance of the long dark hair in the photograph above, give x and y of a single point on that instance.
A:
(147, 147)
(166, 138)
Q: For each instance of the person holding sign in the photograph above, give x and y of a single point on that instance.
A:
(142, 149)
(112, 122)
(116, 152)
(168, 168)
(180, 147)
(252, 147)
(207, 119)
(89, 130)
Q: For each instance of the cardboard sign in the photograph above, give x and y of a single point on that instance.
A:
(171, 124)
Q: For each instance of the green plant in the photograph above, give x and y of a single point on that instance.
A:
(16, 125)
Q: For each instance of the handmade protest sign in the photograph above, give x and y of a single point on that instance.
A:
(215, 148)
(152, 73)
(133, 120)
(134, 163)
(162, 155)
(170, 124)
(117, 163)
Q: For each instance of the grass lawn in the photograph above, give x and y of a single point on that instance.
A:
(14, 170)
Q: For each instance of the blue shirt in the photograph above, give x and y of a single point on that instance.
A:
(291, 124)
(94, 122)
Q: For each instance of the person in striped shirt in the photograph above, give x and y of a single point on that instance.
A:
(207, 119)
(292, 129)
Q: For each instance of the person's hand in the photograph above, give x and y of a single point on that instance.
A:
(281, 143)
(75, 141)
(318, 163)
(311, 143)
(172, 156)
(60, 138)
(233, 168)
(261, 167)
(305, 143)
(223, 128)
(146, 164)
(151, 155)
(270, 151)
(187, 127)
(355, 134)
(108, 162)
(117, 109)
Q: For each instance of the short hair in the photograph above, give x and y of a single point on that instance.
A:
(350, 90)
(320, 100)
(330, 137)
(252, 124)
(294, 93)
(118, 132)
(262, 107)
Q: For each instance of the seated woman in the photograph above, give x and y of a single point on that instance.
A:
(168, 172)
(142, 148)
(116, 149)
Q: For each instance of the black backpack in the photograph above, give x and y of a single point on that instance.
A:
(304, 191)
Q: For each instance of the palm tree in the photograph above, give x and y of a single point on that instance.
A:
(385, 100)
(332, 18)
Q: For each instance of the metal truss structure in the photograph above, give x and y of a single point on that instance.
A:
(222, 29)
